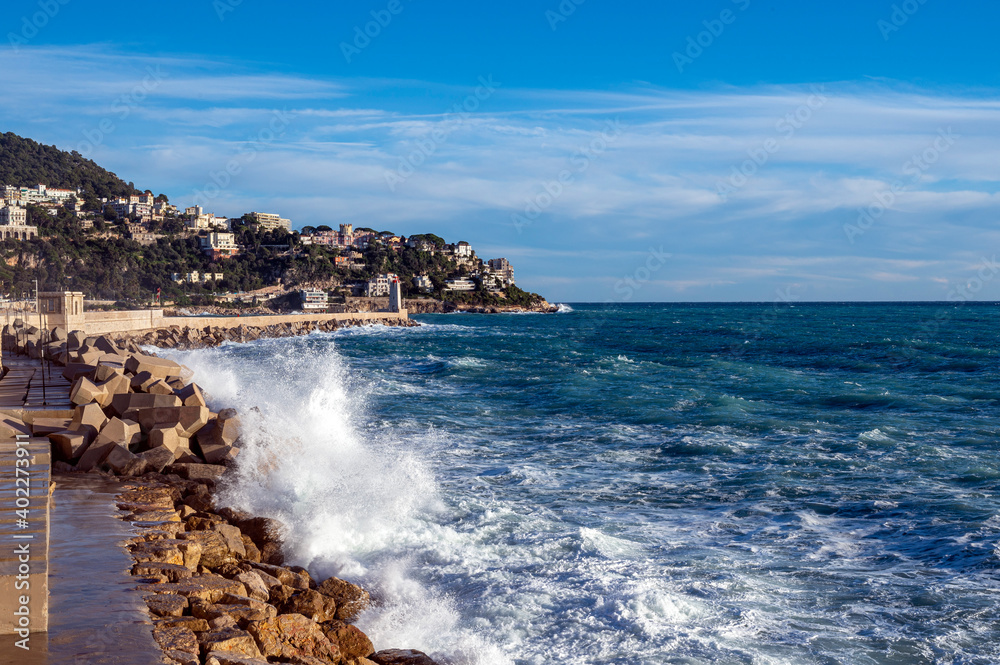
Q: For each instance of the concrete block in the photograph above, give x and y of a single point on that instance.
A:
(159, 387)
(94, 456)
(59, 334)
(190, 419)
(74, 370)
(105, 344)
(123, 432)
(105, 372)
(157, 459)
(119, 459)
(89, 357)
(191, 395)
(88, 419)
(85, 391)
(161, 368)
(10, 427)
(69, 444)
(122, 405)
(75, 339)
(118, 384)
(218, 454)
(141, 381)
(46, 426)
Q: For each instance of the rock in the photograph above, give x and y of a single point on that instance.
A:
(401, 657)
(254, 584)
(353, 643)
(176, 639)
(156, 460)
(210, 588)
(280, 594)
(119, 459)
(271, 553)
(167, 604)
(233, 538)
(171, 571)
(229, 639)
(215, 550)
(292, 635)
(230, 658)
(160, 368)
(223, 621)
(192, 623)
(311, 604)
(252, 553)
(162, 551)
(191, 395)
(261, 530)
(285, 576)
(183, 657)
(351, 599)
(198, 471)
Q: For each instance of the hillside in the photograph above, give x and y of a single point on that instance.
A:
(26, 162)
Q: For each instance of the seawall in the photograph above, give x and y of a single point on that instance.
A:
(104, 323)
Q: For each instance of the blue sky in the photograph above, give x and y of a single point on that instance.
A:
(599, 146)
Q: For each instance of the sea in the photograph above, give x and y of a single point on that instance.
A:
(641, 483)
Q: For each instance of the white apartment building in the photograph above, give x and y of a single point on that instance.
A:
(269, 221)
(459, 284)
(379, 287)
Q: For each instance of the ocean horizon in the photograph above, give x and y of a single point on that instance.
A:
(643, 483)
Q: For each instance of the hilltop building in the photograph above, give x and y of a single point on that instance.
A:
(270, 222)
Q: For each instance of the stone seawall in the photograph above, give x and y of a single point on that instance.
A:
(105, 323)
(200, 332)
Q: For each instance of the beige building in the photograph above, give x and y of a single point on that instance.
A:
(269, 221)
(13, 216)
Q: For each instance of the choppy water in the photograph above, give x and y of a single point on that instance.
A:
(644, 484)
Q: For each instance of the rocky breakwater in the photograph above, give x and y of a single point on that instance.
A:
(194, 337)
(213, 578)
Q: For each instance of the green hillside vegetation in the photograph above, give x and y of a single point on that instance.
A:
(24, 162)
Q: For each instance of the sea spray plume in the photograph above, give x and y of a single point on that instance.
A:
(354, 505)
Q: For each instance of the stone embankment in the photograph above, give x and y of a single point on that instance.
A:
(430, 306)
(193, 337)
(214, 579)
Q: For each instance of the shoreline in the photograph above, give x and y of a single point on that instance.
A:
(213, 578)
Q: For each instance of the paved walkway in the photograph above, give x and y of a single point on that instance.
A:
(24, 386)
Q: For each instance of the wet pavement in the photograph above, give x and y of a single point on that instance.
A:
(95, 615)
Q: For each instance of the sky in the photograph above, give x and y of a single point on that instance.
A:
(716, 150)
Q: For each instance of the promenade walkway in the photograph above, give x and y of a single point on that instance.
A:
(27, 385)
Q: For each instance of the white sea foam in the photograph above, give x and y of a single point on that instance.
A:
(564, 309)
(351, 505)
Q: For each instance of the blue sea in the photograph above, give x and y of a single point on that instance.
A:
(642, 484)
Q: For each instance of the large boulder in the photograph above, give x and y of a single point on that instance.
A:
(291, 635)
(210, 588)
(351, 599)
(353, 643)
(229, 640)
(215, 550)
(311, 604)
(401, 657)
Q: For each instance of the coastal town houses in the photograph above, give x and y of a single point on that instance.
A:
(219, 245)
(460, 284)
(502, 269)
(196, 277)
(341, 239)
(267, 221)
(199, 220)
(40, 194)
(379, 286)
(423, 284)
(314, 300)
(14, 224)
